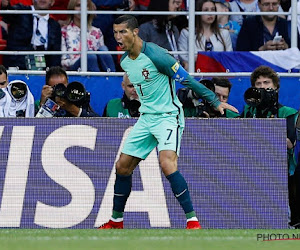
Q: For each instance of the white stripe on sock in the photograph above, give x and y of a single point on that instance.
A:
(192, 219)
(116, 220)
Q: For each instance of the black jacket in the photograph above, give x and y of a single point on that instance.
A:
(19, 38)
(251, 35)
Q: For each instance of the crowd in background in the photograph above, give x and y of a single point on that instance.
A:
(55, 32)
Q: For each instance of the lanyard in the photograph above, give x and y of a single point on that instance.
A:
(172, 41)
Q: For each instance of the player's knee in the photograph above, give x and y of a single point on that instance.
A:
(122, 169)
(168, 166)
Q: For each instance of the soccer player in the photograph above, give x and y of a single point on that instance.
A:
(153, 72)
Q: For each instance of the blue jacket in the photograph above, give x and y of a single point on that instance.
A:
(251, 35)
(19, 38)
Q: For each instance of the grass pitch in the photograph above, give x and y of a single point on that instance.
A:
(143, 239)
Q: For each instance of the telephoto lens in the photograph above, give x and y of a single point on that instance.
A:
(76, 93)
(18, 89)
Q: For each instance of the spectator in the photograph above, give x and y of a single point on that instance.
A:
(125, 107)
(160, 29)
(3, 77)
(105, 21)
(24, 2)
(60, 5)
(258, 32)
(17, 100)
(266, 80)
(181, 21)
(28, 32)
(242, 6)
(225, 23)
(95, 42)
(209, 37)
(55, 76)
(285, 5)
(193, 107)
(141, 4)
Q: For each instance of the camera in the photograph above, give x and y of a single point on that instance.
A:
(191, 100)
(264, 100)
(133, 108)
(18, 89)
(261, 98)
(75, 93)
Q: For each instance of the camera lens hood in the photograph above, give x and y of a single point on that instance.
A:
(76, 92)
(18, 89)
(253, 96)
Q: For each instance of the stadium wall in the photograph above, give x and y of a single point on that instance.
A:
(59, 173)
(104, 89)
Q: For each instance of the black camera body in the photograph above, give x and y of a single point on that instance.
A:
(261, 98)
(133, 108)
(75, 93)
(264, 100)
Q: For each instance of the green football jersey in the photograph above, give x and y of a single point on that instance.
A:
(153, 74)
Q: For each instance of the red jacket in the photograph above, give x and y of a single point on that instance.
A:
(60, 5)
(25, 2)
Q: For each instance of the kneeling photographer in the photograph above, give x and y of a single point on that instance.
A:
(195, 107)
(262, 102)
(62, 99)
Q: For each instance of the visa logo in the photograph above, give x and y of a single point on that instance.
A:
(79, 185)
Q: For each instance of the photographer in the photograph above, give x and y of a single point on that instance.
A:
(3, 77)
(55, 90)
(262, 102)
(125, 107)
(16, 100)
(193, 107)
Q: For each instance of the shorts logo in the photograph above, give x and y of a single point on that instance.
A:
(175, 67)
(145, 73)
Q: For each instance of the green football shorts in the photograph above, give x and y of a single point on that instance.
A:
(151, 130)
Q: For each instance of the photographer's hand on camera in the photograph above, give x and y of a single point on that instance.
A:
(46, 93)
(68, 106)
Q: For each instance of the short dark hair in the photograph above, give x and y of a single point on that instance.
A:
(3, 70)
(222, 82)
(265, 71)
(131, 21)
(55, 71)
